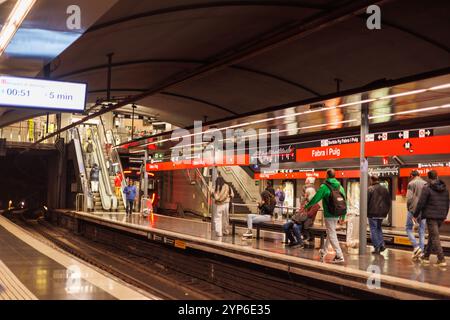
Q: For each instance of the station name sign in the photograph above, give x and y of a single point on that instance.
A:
(49, 95)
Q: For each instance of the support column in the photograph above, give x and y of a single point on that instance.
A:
(213, 205)
(144, 165)
(364, 180)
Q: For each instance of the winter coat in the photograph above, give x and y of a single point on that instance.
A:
(379, 201)
(415, 187)
(434, 201)
(95, 174)
(324, 194)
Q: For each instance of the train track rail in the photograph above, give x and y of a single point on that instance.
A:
(177, 274)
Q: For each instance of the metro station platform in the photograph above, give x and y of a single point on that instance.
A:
(33, 270)
(400, 277)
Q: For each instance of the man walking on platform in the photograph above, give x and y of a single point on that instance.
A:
(433, 206)
(130, 192)
(334, 208)
(378, 207)
(415, 187)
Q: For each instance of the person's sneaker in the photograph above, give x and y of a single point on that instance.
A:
(322, 253)
(376, 251)
(338, 260)
(296, 245)
(416, 253)
(382, 248)
(425, 260)
(441, 263)
(248, 234)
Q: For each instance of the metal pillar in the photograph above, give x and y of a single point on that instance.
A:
(213, 205)
(132, 121)
(108, 79)
(364, 180)
(144, 165)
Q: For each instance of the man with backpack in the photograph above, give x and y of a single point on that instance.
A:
(89, 150)
(334, 206)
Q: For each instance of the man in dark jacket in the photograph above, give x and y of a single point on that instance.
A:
(94, 177)
(378, 207)
(433, 206)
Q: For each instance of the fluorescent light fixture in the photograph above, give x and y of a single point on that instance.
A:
(439, 87)
(402, 94)
(410, 111)
(12, 24)
(442, 86)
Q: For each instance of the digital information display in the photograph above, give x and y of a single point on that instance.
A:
(42, 94)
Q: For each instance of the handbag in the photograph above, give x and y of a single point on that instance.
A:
(300, 216)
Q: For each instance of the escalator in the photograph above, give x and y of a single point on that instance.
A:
(104, 199)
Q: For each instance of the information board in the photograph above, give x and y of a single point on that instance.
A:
(42, 94)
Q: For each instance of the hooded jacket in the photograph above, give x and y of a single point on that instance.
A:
(415, 187)
(324, 193)
(378, 201)
(434, 201)
(95, 174)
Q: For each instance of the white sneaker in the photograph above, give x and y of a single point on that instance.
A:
(248, 234)
(416, 254)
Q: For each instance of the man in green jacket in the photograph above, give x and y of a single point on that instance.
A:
(331, 220)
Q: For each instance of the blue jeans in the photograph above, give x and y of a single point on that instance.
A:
(257, 218)
(376, 232)
(296, 228)
(410, 232)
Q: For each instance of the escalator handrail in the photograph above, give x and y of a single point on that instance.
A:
(84, 179)
(114, 151)
(110, 200)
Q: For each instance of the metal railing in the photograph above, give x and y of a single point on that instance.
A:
(80, 204)
(240, 183)
(115, 157)
(202, 184)
(82, 168)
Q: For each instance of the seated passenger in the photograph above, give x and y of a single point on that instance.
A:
(265, 212)
(301, 221)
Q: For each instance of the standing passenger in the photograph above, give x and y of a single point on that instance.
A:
(280, 197)
(221, 197)
(415, 187)
(433, 206)
(95, 177)
(378, 207)
(130, 192)
(332, 195)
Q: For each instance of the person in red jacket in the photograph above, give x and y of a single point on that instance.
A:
(118, 184)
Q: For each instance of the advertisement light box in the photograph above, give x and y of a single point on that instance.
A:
(42, 94)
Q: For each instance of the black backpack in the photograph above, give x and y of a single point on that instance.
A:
(336, 202)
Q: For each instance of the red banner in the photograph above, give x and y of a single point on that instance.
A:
(303, 175)
(399, 147)
(441, 171)
(169, 165)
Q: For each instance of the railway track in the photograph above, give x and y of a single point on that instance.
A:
(177, 274)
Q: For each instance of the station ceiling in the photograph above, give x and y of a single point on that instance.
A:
(210, 59)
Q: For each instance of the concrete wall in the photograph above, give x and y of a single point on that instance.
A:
(176, 190)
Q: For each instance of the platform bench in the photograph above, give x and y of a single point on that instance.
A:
(277, 226)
